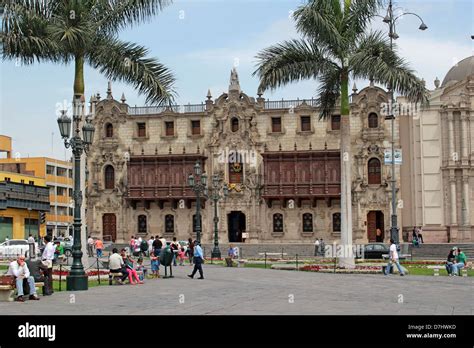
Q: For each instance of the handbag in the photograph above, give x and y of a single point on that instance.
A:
(7, 280)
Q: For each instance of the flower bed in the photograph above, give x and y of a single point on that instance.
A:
(329, 269)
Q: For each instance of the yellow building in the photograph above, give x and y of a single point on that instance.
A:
(22, 199)
(58, 178)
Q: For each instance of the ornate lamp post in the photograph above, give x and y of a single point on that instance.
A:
(391, 21)
(198, 182)
(77, 278)
(216, 196)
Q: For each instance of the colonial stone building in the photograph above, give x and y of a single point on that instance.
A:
(438, 174)
(280, 162)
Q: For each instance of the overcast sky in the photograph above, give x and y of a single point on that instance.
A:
(201, 40)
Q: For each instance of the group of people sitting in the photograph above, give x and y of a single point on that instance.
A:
(455, 262)
(417, 237)
(123, 263)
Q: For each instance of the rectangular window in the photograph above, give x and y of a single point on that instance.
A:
(31, 182)
(169, 127)
(61, 172)
(141, 129)
(196, 127)
(336, 122)
(71, 212)
(70, 173)
(305, 123)
(61, 191)
(49, 170)
(276, 124)
(70, 192)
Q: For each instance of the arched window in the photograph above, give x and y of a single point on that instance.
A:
(307, 222)
(109, 177)
(336, 222)
(234, 124)
(141, 223)
(374, 170)
(109, 130)
(373, 120)
(169, 223)
(277, 222)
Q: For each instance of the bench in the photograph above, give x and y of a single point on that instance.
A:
(115, 277)
(7, 292)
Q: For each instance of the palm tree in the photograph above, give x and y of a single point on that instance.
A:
(335, 47)
(85, 31)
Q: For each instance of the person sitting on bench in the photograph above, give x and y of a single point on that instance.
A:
(20, 271)
(116, 265)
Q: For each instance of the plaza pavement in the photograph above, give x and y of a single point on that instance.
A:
(264, 291)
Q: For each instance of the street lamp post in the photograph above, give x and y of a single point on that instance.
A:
(391, 21)
(198, 182)
(77, 278)
(216, 196)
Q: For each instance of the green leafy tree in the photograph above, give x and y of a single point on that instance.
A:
(337, 46)
(85, 31)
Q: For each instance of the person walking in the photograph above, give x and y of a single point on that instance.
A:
(99, 246)
(47, 258)
(393, 259)
(157, 245)
(190, 251)
(175, 248)
(150, 245)
(322, 246)
(90, 246)
(198, 260)
(316, 247)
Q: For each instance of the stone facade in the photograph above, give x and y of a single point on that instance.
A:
(439, 171)
(236, 121)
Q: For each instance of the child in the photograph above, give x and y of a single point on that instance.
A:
(141, 270)
(181, 256)
(155, 265)
(132, 273)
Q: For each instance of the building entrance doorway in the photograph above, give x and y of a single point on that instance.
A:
(109, 227)
(375, 220)
(236, 226)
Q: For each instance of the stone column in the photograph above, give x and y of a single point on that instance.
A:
(465, 199)
(451, 147)
(452, 184)
(464, 138)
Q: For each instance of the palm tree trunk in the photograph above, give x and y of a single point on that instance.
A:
(79, 76)
(347, 261)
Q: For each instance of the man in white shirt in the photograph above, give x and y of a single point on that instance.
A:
(90, 246)
(150, 244)
(393, 259)
(316, 247)
(47, 258)
(116, 265)
(31, 239)
(20, 271)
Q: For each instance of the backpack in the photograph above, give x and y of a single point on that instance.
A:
(144, 246)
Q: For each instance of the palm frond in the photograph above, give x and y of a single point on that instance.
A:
(320, 20)
(376, 60)
(358, 17)
(113, 15)
(25, 35)
(328, 92)
(290, 61)
(125, 61)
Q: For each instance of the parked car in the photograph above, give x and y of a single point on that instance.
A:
(375, 251)
(67, 244)
(14, 247)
